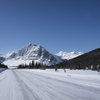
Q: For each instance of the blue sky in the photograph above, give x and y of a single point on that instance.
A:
(57, 25)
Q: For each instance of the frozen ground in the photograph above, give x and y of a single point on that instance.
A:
(49, 85)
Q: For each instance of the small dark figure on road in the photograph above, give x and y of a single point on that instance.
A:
(56, 69)
(98, 68)
(64, 70)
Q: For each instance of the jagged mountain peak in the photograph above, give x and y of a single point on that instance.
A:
(32, 45)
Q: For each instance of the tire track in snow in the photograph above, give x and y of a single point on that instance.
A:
(26, 90)
(51, 92)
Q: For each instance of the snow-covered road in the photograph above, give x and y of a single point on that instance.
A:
(41, 85)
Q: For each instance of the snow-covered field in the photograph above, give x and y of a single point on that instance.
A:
(17, 84)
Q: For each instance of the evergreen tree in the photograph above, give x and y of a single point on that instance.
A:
(33, 64)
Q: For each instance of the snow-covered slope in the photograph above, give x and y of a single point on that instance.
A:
(29, 53)
(68, 55)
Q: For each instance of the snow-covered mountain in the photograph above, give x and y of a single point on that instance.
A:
(29, 53)
(68, 55)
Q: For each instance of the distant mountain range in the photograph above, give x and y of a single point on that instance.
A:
(69, 55)
(37, 53)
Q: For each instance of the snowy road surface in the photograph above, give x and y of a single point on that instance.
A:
(41, 85)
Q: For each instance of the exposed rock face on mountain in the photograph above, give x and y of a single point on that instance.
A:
(29, 53)
(2, 59)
